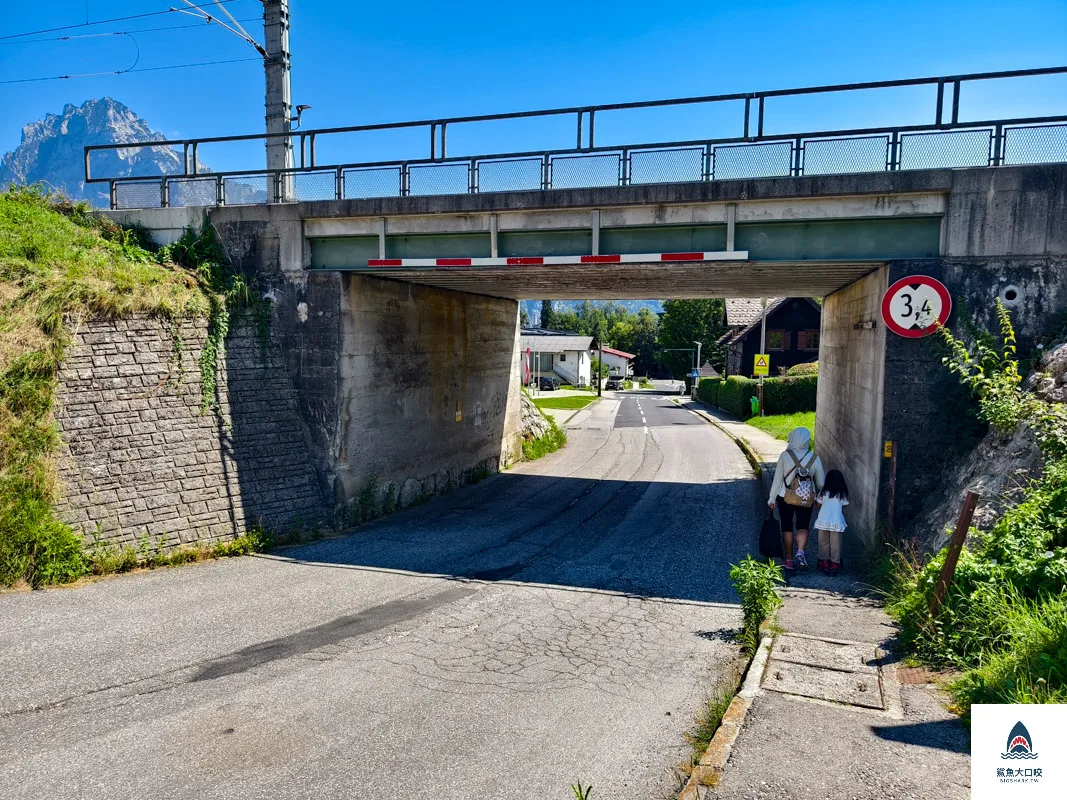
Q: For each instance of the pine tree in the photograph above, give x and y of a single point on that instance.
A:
(548, 314)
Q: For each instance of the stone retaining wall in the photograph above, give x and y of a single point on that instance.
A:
(140, 456)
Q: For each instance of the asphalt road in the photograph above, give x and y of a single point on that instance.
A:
(561, 621)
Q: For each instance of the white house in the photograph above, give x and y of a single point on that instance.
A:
(565, 355)
(619, 362)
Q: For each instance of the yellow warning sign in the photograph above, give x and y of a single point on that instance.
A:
(763, 365)
(887, 449)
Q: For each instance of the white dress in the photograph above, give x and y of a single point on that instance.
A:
(831, 516)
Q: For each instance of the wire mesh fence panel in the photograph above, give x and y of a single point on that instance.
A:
(246, 190)
(769, 160)
(453, 178)
(842, 156)
(192, 191)
(1040, 144)
(371, 182)
(945, 149)
(315, 185)
(138, 194)
(513, 174)
(667, 166)
(577, 172)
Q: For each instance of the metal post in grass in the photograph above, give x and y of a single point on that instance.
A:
(948, 569)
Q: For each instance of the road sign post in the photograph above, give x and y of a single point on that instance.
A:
(761, 368)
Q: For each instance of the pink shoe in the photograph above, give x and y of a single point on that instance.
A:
(790, 566)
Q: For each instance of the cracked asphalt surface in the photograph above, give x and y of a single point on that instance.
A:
(561, 621)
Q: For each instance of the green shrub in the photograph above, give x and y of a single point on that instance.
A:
(735, 396)
(533, 449)
(783, 395)
(708, 390)
(810, 368)
(754, 582)
(789, 395)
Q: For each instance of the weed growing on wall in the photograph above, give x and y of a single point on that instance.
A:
(59, 265)
(224, 291)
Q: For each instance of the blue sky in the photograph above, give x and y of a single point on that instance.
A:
(359, 62)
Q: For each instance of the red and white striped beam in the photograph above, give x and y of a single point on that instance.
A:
(530, 261)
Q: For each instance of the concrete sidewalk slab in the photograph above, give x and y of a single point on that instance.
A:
(811, 733)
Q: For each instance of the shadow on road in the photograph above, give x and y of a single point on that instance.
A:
(647, 538)
(946, 734)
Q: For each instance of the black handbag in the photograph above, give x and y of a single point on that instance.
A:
(770, 537)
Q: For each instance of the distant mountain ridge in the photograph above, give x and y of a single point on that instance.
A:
(51, 150)
(533, 307)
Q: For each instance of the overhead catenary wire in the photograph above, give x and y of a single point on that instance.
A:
(72, 37)
(127, 71)
(109, 21)
(194, 10)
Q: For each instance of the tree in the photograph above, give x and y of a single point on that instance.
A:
(524, 319)
(685, 322)
(548, 315)
(643, 341)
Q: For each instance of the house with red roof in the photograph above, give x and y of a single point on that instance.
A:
(619, 362)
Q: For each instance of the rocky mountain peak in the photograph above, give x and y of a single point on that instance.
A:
(51, 149)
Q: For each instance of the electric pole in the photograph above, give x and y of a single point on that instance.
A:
(279, 97)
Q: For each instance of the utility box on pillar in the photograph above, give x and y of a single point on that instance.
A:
(278, 99)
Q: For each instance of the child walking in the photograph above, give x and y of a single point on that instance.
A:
(831, 521)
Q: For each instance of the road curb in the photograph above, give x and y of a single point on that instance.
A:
(713, 763)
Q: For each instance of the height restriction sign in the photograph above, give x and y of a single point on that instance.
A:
(915, 306)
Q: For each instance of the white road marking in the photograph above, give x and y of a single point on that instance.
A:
(646, 429)
(643, 420)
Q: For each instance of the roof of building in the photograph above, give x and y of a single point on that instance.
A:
(778, 301)
(708, 371)
(618, 353)
(539, 339)
(743, 311)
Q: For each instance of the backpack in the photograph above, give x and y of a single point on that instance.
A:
(800, 488)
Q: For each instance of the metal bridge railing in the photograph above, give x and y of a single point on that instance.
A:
(945, 142)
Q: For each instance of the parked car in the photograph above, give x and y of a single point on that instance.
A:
(615, 382)
(547, 384)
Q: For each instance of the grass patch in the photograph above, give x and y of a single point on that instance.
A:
(780, 425)
(708, 721)
(103, 559)
(574, 402)
(59, 263)
(533, 449)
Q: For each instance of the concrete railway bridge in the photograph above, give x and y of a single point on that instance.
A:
(398, 315)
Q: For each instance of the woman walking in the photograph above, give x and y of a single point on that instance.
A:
(798, 478)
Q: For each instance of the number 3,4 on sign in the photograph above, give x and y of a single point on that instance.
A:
(915, 306)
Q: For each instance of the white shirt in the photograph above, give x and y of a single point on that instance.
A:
(831, 514)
